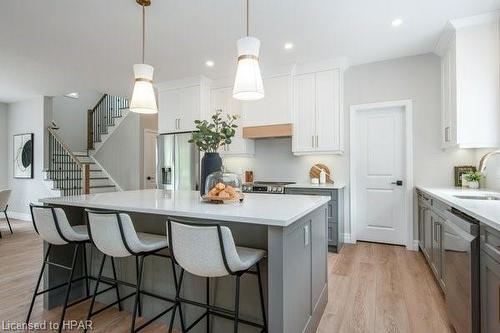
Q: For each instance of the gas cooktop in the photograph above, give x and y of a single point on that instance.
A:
(266, 187)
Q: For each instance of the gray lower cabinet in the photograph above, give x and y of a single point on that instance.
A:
(431, 233)
(335, 213)
(490, 280)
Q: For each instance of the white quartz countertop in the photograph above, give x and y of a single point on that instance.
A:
(264, 209)
(486, 211)
(334, 186)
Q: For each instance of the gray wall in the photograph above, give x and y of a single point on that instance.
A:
(70, 114)
(30, 116)
(3, 147)
(416, 78)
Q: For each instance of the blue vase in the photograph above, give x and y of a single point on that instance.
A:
(211, 162)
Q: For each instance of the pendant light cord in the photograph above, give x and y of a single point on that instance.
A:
(143, 34)
(248, 19)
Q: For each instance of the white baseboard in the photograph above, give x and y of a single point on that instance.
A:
(347, 238)
(19, 216)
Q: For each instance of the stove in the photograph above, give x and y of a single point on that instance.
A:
(266, 187)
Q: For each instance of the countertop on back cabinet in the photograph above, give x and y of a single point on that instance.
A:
(486, 211)
(264, 209)
(334, 186)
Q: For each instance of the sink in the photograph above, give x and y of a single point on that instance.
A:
(477, 197)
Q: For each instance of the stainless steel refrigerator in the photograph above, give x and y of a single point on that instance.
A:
(178, 162)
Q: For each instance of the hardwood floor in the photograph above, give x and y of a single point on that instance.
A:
(382, 288)
(372, 288)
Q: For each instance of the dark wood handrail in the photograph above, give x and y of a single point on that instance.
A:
(99, 102)
(102, 116)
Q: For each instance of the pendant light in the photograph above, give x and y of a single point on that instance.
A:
(143, 96)
(248, 81)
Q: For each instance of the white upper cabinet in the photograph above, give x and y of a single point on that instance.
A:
(181, 103)
(317, 113)
(470, 83)
(274, 108)
(222, 99)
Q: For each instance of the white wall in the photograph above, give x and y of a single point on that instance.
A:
(120, 154)
(4, 159)
(70, 114)
(30, 116)
(416, 78)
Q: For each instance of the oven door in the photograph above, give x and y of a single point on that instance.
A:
(460, 272)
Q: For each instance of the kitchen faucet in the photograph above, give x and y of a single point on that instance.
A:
(485, 158)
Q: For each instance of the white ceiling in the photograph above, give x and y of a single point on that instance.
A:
(53, 47)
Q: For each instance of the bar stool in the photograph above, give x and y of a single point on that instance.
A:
(113, 234)
(209, 251)
(4, 204)
(54, 228)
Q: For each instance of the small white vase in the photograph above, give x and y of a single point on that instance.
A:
(474, 184)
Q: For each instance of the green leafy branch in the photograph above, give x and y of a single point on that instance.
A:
(210, 136)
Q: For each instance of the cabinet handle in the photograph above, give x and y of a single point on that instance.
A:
(312, 141)
(317, 139)
(179, 123)
(306, 235)
(447, 134)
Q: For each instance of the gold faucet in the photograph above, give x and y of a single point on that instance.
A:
(485, 158)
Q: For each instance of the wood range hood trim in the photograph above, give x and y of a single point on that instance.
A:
(268, 131)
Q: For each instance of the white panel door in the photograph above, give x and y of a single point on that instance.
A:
(304, 113)
(169, 105)
(328, 110)
(379, 165)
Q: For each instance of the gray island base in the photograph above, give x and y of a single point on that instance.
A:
(292, 229)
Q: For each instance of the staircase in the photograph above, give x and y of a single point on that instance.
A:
(75, 173)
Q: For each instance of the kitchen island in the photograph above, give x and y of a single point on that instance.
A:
(292, 229)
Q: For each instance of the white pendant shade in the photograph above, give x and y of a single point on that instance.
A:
(143, 96)
(248, 82)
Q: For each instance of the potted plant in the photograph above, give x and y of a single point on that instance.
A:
(473, 178)
(209, 137)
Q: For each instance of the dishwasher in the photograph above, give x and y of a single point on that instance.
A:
(461, 270)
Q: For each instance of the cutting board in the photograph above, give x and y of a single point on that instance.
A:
(316, 169)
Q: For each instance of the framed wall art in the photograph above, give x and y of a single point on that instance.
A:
(23, 155)
(460, 170)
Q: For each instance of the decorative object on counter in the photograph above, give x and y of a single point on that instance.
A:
(315, 172)
(143, 96)
(315, 181)
(460, 172)
(210, 136)
(473, 178)
(221, 187)
(23, 155)
(248, 176)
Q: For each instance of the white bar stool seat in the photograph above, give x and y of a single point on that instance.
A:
(209, 251)
(54, 228)
(113, 234)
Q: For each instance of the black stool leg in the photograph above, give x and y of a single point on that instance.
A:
(137, 294)
(120, 308)
(7, 218)
(183, 326)
(38, 283)
(137, 271)
(208, 304)
(68, 289)
(99, 276)
(237, 304)
(177, 303)
(87, 287)
(261, 292)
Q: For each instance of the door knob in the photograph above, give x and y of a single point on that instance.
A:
(398, 183)
(148, 177)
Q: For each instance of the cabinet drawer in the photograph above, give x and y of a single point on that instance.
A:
(490, 294)
(333, 234)
(333, 211)
(490, 241)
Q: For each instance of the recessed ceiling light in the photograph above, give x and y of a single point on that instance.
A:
(73, 95)
(288, 46)
(397, 22)
(209, 63)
